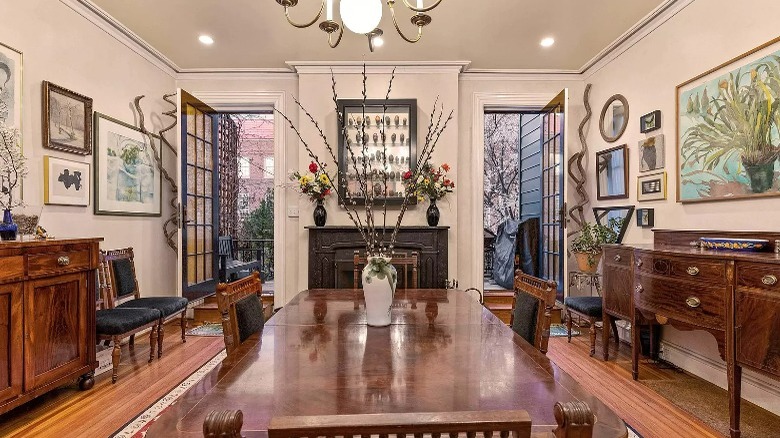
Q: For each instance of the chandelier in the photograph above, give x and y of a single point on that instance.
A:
(362, 17)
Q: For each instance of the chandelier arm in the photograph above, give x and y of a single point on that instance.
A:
(301, 26)
(401, 33)
(429, 8)
(338, 40)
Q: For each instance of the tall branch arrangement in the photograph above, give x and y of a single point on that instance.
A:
(577, 169)
(378, 243)
(13, 166)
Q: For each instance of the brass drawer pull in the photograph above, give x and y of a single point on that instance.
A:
(63, 261)
(693, 271)
(769, 280)
(618, 258)
(639, 289)
(693, 302)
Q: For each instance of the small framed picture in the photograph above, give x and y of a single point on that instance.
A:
(651, 187)
(67, 120)
(645, 217)
(650, 122)
(65, 182)
(652, 153)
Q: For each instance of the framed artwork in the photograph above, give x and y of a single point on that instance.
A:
(645, 217)
(651, 187)
(67, 120)
(727, 129)
(11, 74)
(650, 122)
(127, 180)
(65, 182)
(652, 153)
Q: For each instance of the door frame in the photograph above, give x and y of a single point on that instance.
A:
(480, 102)
(253, 101)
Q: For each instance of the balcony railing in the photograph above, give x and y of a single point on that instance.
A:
(261, 250)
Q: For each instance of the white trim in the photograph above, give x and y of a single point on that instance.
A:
(520, 75)
(480, 100)
(252, 101)
(756, 388)
(341, 67)
(236, 73)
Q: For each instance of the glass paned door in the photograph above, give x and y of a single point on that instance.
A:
(553, 206)
(199, 186)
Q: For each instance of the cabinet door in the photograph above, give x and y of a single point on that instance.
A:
(55, 328)
(758, 325)
(10, 341)
(617, 291)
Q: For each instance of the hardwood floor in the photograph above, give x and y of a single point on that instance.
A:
(639, 406)
(99, 412)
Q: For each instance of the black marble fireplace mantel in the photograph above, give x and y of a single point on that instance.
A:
(331, 250)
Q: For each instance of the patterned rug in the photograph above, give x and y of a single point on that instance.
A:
(206, 330)
(138, 426)
(559, 331)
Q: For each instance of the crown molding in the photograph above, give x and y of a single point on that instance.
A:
(417, 67)
(520, 75)
(237, 73)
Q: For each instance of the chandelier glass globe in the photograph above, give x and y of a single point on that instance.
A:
(361, 16)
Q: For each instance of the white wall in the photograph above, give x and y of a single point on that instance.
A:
(702, 36)
(64, 48)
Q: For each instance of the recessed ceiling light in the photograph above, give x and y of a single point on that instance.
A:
(547, 42)
(205, 39)
(379, 41)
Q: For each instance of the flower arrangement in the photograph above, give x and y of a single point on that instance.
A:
(315, 185)
(13, 167)
(432, 182)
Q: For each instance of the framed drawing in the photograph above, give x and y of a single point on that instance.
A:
(645, 217)
(652, 153)
(67, 120)
(651, 187)
(127, 180)
(11, 69)
(650, 122)
(727, 129)
(65, 182)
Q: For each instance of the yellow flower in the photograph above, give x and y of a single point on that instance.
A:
(420, 199)
(305, 179)
(427, 181)
(324, 180)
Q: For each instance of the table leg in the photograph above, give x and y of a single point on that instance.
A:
(735, 397)
(606, 323)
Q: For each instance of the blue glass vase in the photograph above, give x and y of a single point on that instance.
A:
(8, 228)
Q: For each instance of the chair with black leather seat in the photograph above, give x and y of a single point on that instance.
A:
(590, 308)
(532, 307)
(113, 325)
(241, 308)
(124, 284)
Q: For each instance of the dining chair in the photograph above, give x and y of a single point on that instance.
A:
(126, 294)
(403, 263)
(532, 306)
(241, 307)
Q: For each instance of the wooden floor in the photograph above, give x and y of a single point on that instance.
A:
(99, 412)
(651, 415)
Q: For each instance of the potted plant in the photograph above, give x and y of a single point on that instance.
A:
(432, 183)
(13, 169)
(586, 247)
(316, 186)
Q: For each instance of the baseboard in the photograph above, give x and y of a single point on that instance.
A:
(756, 388)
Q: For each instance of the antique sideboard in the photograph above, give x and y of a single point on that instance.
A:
(733, 295)
(47, 328)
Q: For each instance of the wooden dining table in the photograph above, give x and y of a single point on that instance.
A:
(443, 352)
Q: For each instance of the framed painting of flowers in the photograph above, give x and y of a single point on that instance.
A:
(728, 129)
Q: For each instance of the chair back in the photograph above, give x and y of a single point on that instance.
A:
(504, 424)
(120, 278)
(225, 246)
(532, 307)
(406, 265)
(241, 308)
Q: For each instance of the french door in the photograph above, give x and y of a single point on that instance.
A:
(553, 222)
(199, 186)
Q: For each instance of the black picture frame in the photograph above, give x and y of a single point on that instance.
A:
(645, 217)
(622, 150)
(650, 122)
(600, 214)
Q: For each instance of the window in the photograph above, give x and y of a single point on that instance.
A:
(268, 166)
(243, 167)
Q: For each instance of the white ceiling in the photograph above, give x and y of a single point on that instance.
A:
(492, 34)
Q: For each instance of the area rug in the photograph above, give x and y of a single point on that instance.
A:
(559, 331)
(137, 427)
(206, 330)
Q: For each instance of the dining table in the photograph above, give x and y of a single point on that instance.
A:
(442, 352)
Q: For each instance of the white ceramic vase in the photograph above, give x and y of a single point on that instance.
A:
(379, 281)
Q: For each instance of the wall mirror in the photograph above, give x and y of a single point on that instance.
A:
(612, 173)
(614, 118)
(616, 218)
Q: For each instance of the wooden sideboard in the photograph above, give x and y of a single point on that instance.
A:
(47, 329)
(735, 296)
(331, 254)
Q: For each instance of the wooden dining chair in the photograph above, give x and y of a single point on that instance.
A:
(404, 264)
(532, 307)
(241, 307)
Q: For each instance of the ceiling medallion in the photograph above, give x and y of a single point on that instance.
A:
(361, 17)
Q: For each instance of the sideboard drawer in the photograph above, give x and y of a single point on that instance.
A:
(697, 305)
(700, 270)
(618, 256)
(59, 262)
(764, 276)
(12, 268)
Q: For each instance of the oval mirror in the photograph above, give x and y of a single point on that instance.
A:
(614, 118)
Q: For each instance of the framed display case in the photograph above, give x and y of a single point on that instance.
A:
(371, 133)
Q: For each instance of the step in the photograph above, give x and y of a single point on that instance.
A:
(499, 297)
(502, 311)
(207, 312)
(210, 299)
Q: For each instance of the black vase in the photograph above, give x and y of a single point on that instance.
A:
(433, 214)
(320, 214)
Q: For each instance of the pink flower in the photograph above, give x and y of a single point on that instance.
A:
(407, 174)
(313, 167)
(446, 167)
